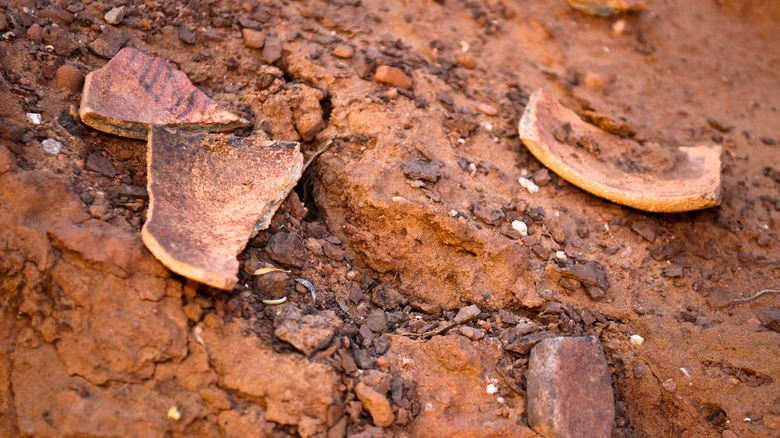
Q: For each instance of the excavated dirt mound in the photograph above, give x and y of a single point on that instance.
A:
(404, 218)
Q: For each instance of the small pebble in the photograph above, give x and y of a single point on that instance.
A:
(392, 76)
(253, 39)
(34, 32)
(487, 109)
(636, 340)
(272, 50)
(343, 51)
(115, 15)
(466, 60)
(51, 146)
(491, 389)
(669, 386)
(68, 77)
(769, 141)
(34, 118)
(529, 185)
(520, 227)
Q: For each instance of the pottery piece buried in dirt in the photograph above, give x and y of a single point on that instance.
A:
(134, 90)
(209, 194)
(693, 182)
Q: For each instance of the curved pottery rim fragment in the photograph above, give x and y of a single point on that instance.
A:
(698, 184)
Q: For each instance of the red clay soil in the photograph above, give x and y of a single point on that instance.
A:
(404, 218)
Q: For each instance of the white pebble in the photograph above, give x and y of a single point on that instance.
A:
(492, 389)
(51, 146)
(560, 255)
(528, 184)
(636, 340)
(520, 227)
(34, 118)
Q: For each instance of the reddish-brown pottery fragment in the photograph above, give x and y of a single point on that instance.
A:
(134, 90)
(208, 194)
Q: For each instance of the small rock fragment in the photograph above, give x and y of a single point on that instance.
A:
(186, 34)
(307, 333)
(60, 39)
(569, 389)
(108, 44)
(529, 185)
(343, 51)
(520, 227)
(467, 312)
(272, 50)
(333, 252)
(35, 32)
(418, 169)
(272, 284)
(392, 76)
(115, 15)
(542, 177)
(51, 146)
(636, 340)
(490, 216)
(591, 275)
(388, 298)
(376, 404)
(466, 60)
(100, 164)
(254, 39)
(770, 319)
(68, 77)
(7, 159)
(669, 386)
(286, 248)
(487, 109)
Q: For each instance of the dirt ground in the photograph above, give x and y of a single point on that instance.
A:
(403, 220)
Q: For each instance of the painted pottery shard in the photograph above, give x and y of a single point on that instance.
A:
(134, 90)
(208, 194)
(621, 170)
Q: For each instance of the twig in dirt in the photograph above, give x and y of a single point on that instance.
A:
(325, 145)
(440, 331)
(309, 286)
(765, 291)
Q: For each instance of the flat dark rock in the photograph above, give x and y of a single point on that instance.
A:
(133, 91)
(208, 194)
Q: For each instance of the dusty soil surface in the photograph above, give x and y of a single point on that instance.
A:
(403, 220)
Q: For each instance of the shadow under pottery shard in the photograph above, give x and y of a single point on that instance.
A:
(209, 194)
(134, 90)
(572, 148)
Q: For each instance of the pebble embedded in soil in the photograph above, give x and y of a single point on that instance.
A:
(424, 170)
(466, 313)
(272, 49)
(528, 185)
(254, 39)
(115, 15)
(35, 32)
(307, 333)
(392, 76)
(570, 389)
(68, 77)
(186, 34)
(51, 146)
(286, 248)
(376, 404)
(343, 51)
(100, 164)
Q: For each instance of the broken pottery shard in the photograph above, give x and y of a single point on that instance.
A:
(134, 90)
(692, 181)
(208, 194)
